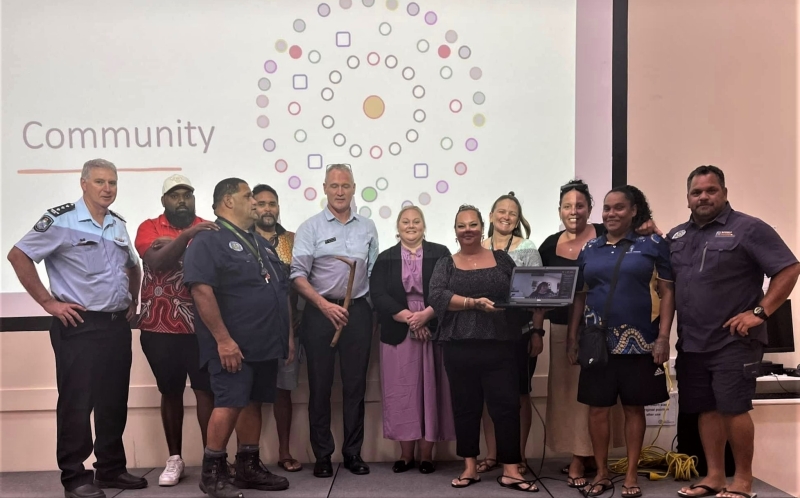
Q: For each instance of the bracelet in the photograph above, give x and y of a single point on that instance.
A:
(538, 331)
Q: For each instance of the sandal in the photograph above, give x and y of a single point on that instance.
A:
(288, 464)
(603, 487)
(707, 491)
(484, 466)
(572, 482)
(518, 484)
(469, 481)
(522, 468)
(627, 493)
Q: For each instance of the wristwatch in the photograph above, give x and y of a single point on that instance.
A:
(759, 312)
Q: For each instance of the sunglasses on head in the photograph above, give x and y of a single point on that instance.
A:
(580, 187)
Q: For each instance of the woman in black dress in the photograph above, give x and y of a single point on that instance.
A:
(479, 342)
(567, 420)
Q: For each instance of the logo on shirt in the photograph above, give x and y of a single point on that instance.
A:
(678, 234)
(659, 371)
(724, 233)
(328, 241)
(235, 246)
(43, 224)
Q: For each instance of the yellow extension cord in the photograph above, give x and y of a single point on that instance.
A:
(654, 458)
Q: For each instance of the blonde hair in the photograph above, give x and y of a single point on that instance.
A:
(415, 208)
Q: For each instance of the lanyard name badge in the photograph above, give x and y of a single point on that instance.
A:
(255, 251)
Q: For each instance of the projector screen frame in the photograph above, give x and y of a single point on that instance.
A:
(619, 146)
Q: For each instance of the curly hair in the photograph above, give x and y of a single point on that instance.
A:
(637, 198)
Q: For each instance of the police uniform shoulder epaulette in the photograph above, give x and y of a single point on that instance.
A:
(59, 210)
(116, 215)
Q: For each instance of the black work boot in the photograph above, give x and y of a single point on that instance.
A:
(215, 480)
(250, 473)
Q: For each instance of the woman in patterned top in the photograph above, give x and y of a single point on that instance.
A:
(479, 341)
(506, 225)
(637, 338)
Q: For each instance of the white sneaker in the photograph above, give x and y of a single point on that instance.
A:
(173, 473)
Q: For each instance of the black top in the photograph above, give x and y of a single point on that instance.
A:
(388, 294)
(255, 310)
(473, 324)
(560, 316)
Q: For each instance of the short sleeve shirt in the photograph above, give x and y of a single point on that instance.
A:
(85, 261)
(631, 324)
(254, 309)
(719, 273)
(167, 306)
(322, 237)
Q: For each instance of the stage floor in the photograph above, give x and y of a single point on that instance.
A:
(380, 483)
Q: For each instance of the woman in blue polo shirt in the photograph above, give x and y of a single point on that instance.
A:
(638, 326)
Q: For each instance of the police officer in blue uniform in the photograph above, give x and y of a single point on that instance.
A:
(241, 294)
(94, 283)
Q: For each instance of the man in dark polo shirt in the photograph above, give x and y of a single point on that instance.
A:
(719, 258)
(322, 280)
(241, 296)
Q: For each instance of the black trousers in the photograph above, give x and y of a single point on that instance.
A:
(353, 347)
(478, 371)
(93, 366)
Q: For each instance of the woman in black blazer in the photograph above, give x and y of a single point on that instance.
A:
(416, 392)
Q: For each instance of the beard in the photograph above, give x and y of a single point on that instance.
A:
(266, 223)
(180, 218)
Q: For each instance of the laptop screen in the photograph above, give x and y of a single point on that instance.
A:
(543, 284)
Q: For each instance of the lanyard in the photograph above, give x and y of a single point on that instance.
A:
(255, 251)
(508, 246)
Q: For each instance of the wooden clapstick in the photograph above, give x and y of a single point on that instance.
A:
(347, 295)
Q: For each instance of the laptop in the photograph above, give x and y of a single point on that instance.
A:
(541, 287)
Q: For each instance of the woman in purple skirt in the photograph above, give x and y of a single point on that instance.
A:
(416, 393)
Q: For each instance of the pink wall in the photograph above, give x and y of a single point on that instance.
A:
(715, 82)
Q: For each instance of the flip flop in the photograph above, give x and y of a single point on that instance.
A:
(603, 487)
(709, 491)
(486, 466)
(518, 484)
(571, 482)
(287, 464)
(469, 481)
(743, 494)
(635, 494)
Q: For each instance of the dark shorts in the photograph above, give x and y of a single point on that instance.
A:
(634, 378)
(172, 357)
(525, 364)
(256, 381)
(716, 381)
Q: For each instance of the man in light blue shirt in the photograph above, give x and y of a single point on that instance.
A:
(322, 280)
(94, 285)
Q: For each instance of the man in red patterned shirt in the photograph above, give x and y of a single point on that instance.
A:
(167, 316)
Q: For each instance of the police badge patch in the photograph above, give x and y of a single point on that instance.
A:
(43, 224)
(235, 246)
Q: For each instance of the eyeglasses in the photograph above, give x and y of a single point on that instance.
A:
(338, 166)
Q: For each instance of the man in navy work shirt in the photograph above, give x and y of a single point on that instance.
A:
(720, 257)
(94, 284)
(241, 296)
(322, 280)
